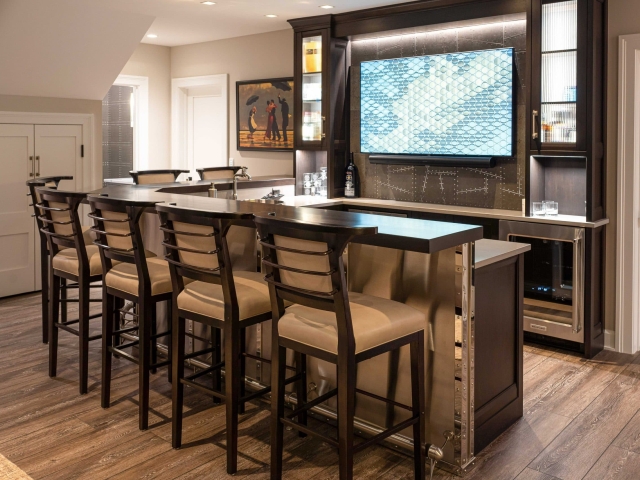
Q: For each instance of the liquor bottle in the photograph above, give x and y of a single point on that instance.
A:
(351, 180)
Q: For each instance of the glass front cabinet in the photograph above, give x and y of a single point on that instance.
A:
(558, 103)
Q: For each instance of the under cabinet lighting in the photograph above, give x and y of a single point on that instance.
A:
(271, 16)
(326, 6)
(152, 35)
(208, 3)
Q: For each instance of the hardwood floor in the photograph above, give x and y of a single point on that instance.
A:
(582, 420)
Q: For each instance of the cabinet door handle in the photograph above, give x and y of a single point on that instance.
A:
(534, 117)
(31, 174)
(323, 135)
(38, 166)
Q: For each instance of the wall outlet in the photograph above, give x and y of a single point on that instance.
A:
(231, 162)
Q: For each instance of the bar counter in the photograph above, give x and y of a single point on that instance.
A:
(428, 265)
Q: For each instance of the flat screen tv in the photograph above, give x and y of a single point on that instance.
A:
(455, 104)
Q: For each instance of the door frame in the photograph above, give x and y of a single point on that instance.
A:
(179, 109)
(141, 128)
(627, 334)
(91, 173)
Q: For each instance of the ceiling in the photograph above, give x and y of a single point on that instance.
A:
(182, 22)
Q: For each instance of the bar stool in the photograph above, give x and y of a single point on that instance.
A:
(69, 259)
(50, 182)
(304, 265)
(134, 274)
(145, 177)
(215, 173)
(207, 290)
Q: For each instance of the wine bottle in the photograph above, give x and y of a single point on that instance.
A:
(351, 180)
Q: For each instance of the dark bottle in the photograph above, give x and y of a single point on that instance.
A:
(351, 180)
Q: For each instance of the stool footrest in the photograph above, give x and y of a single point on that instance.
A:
(125, 330)
(160, 364)
(133, 343)
(75, 300)
(313, 403)
(66, 328)
(161, 334)
(383, 399)
(301, 428)
(204, 371)
(204, 351)
(387, 433)
(294, 378)
(204, 389)
(95, 337)
(122, 354)
(255, 394)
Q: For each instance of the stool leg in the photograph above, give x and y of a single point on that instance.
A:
(154, 341)
(278, 370)
(83, 333)
(217, 358)
(232, 390)
(301, 388)
(108, 321)
(44, 275)
(170, 345)
(418, 406)
(54, 306)
(243, 367)
(144, 332)
(63, 296)
(177, 366)
(346, 413)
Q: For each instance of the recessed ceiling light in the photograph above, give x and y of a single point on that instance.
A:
(152, 35)
(326, 6)
(208, 3)
(271, 15)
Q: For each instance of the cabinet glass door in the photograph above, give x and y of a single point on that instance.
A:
(312, 117)
(559, 48)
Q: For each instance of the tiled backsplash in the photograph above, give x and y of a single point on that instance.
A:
(499, 187)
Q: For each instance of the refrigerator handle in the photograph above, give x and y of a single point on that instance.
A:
(578, 284)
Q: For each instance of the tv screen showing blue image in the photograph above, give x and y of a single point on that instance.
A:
(457, 104)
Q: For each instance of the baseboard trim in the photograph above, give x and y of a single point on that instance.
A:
(610, 340)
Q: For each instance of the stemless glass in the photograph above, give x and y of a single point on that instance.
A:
(538, 209)
(551, 207)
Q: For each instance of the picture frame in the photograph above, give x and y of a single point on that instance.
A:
(254, 119)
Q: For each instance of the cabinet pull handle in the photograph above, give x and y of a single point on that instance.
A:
(323, 135)
(534, 117)
(31, 174)
(38, 167)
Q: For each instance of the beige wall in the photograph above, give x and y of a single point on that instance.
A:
(154, 62)
(252, 57)
(623, 20)
(17, 103)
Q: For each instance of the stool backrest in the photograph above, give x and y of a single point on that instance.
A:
(33, 184)
(304, 265)
(119, 234)
(196, 246)
(146, 177)
(58, 215)
(215, 173)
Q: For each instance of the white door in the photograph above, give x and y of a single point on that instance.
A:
(17, 227)
(58, 150)
(206, 128)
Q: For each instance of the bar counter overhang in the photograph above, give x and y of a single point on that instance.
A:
(428, 265)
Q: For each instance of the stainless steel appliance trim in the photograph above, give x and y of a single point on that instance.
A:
(467, 414)
(558, 233)
(552, 329)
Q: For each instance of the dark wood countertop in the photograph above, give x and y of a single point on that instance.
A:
(402, 233)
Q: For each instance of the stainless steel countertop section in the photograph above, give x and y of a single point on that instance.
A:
(569, 220)
(492, 251)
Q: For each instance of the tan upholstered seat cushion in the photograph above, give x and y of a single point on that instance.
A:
(96, 263)
(67, 260)
(207, 298)
(375, 321)
(124, 277)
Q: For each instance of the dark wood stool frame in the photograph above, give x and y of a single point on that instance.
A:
(56, 277)
(50, 182)
(135, 174)
(112, 299)
(234, 329)
(337, 300)
(202, 171)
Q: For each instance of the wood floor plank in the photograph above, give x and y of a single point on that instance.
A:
(578, 447)
(629, 438)
(616, 464)
(528, 474)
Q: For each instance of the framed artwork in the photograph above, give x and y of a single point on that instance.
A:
(264, 114)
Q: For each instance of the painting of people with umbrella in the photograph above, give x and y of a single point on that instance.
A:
(264, 114)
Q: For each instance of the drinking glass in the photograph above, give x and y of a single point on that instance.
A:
(538, 209)
(551, 207)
